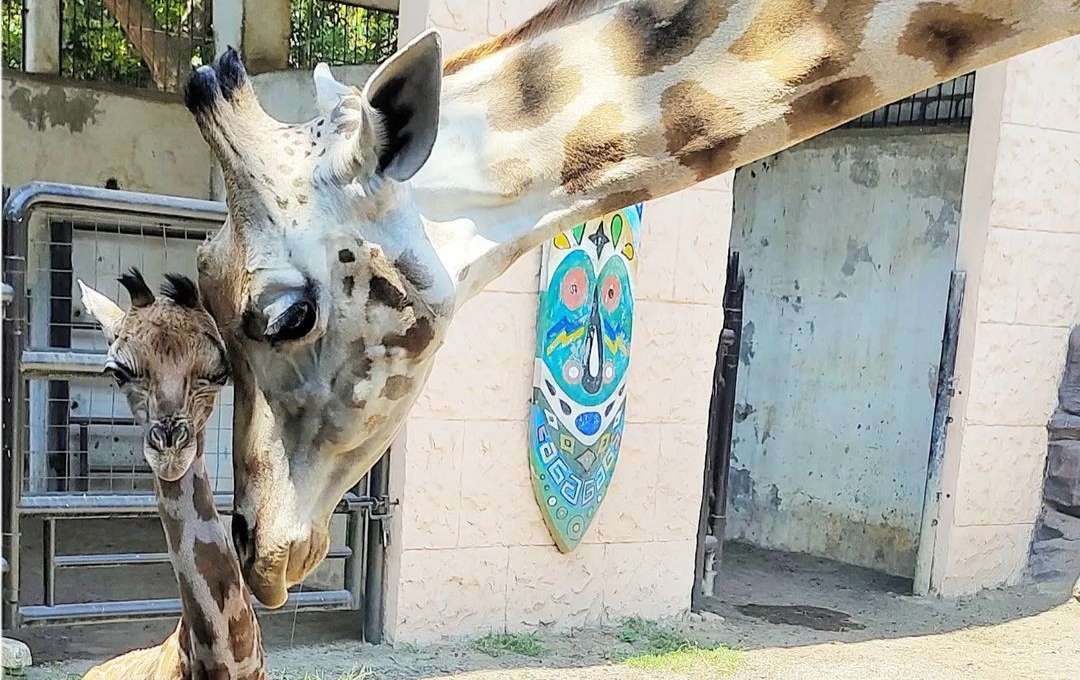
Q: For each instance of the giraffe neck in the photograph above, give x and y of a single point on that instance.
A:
(599, 104)
(222, 633)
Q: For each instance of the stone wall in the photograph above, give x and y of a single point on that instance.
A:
(1020, 244)
(471, 553)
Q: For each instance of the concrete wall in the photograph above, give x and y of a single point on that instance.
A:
(470, 552)
(847, 242)
(1020, 243)
(289, 96)
(84, 133)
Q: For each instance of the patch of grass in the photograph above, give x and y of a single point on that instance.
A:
(666, 649)
(718, 661)
(497, 644)
(658, 639)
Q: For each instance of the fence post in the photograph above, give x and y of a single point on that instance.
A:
(266, 29)
(41, 33)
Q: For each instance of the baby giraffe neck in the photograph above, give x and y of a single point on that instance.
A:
(223, 637)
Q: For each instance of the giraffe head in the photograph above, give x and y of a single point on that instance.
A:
(168, 359)
(328, 292)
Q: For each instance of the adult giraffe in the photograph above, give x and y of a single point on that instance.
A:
(347, 250)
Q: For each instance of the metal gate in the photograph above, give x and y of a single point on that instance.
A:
(71, 453)
(713, 514)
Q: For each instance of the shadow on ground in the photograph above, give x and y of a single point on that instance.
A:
(781, 609)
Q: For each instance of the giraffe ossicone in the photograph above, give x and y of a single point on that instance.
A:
(352, 239)
(168, 359)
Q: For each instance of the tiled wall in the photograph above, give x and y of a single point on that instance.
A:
(471, 552)
(1021, 243)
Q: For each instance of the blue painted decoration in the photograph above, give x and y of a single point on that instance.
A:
(583, 335)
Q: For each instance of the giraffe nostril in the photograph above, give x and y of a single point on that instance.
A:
(158, 437)
(181, 435)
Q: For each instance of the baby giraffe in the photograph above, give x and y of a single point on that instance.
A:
(169, 360)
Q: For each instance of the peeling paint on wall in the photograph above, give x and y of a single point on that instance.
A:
(55, 107)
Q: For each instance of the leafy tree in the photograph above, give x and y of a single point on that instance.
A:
(152, 42)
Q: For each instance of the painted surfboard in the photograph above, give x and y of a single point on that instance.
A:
(583, 335)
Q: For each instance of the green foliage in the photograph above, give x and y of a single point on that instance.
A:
(13, 34)
(338, 33)
(93, 45)
(497, 644)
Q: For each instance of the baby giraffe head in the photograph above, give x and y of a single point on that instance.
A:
(167, 357)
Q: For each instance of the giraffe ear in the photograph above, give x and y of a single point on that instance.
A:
(404, 94)
(107, 312)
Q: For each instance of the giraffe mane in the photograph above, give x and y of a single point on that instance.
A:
(558, 13)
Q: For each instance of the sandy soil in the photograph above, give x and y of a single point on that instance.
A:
(792, 617)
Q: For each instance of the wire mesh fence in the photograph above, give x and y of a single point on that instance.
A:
(340, 33)
(949, 103)
(14, 11)
(78, 433)
(141, 43)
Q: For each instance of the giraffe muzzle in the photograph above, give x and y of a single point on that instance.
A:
(207, 83)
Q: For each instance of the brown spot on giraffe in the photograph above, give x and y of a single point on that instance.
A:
(533, 87)
(388, 292)
(840, 25)
(950, 37)
(396, 387)
(645, 37)
(512, 177)
(700, 130)
(217, 568)
(242, 629)
(551, 17)
(414, 271)
(591, 147)
(386, 286)
(415, 340)
(829, 105)
(202, 630)
(204, 500)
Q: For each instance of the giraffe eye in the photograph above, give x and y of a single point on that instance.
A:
(121, 374)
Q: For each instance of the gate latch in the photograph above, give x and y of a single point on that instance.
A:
(380, 512)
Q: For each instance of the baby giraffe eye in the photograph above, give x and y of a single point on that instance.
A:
(121, 374)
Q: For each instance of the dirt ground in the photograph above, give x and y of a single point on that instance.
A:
(789, 616)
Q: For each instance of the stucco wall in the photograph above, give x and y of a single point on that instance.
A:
(1020, 243)
(82, 133)
(471, 553)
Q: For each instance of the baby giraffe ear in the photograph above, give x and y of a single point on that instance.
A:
(107, 313)
(404, 93)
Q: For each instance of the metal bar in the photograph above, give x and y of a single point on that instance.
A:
(50, 363)
(378, 487)
(64, 505)
(48, 561)
(96, 560)
(938, 433)
(129, 203)
(14, 237)
(128, 610)
(733, 321)
(59, 391)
